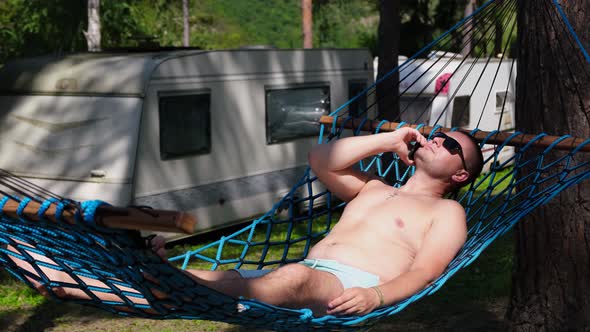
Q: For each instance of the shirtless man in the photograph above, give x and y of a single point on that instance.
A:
(389, 242)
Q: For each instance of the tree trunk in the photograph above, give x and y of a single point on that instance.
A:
(93, 33)
(499, 32)
(185, 22)
(551, 280)
(388, 50)
(306, 23)
(467, 46)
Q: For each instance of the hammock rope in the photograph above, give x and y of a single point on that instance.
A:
(116, 271)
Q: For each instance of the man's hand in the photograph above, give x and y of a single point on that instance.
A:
(354, 301)
(157, 244)
(404, 137)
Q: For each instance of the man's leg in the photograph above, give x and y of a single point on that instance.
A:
(208, 275)
(69, 292)
(291, 286)
(77, 293)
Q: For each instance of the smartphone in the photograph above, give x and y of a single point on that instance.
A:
(413, 149)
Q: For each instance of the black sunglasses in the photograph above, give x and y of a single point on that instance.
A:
(451, 145)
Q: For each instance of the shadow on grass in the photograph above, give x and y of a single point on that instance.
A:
(41, 318)
(8, 318)
(49, 314)
(475, 299)
(449, 316)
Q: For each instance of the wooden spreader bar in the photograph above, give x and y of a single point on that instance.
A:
(497, 139)
(115, 217)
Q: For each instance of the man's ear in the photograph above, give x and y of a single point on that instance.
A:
(460, 176)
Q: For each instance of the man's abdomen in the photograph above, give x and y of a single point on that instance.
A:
(383, 259)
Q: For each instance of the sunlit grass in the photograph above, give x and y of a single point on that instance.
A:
(15, 294)
(499, 180)
(285, 240)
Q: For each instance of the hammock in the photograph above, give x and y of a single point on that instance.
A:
(49, 231)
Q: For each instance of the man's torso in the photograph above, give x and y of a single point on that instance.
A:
(380, 231)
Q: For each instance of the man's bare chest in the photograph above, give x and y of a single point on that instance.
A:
(385, 214)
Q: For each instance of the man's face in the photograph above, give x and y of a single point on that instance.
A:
(445, 154)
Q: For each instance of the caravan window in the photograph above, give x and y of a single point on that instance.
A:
(295, 112)
(358, 106)
(415, 109)
(500, 97)
(185, 125)
(461, 111)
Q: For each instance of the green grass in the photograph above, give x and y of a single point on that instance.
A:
(474, 299)
(499, 181)
(15, 294)
(279, 234)
(489, 276)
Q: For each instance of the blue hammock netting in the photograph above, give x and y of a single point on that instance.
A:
(149, 287)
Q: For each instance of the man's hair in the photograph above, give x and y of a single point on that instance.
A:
(474, 163)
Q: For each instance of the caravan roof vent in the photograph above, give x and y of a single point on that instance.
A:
(258, 47)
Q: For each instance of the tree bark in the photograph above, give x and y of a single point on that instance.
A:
(93, 37)
(467, 48)
(388, 51)
(387, 91)
(551, 280)
(306, 23)
(185, 22)
(499, 32)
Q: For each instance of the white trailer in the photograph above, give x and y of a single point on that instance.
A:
(425, 98)
(220, 134)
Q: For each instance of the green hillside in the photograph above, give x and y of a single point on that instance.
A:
(36, 27)
(33, 27)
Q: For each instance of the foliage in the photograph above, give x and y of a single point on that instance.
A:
(257, 22)
(423, 20)
(346, 24)
(35, 27)
(118, 26)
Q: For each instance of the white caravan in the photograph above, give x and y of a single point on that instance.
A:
(465, 96)
(221, 134)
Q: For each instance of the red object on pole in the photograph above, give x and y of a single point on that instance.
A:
(442, 84)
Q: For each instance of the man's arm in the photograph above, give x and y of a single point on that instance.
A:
(442, 242)
(333, 162)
